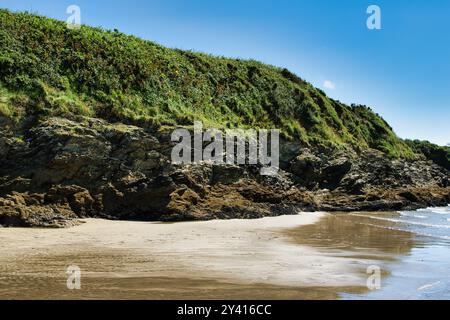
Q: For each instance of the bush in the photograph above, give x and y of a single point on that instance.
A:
(117, 77)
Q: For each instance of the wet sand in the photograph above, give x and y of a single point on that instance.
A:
(308, 256)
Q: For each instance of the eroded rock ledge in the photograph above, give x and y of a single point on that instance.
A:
(57, 170)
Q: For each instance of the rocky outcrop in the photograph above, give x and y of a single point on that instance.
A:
(56, 170)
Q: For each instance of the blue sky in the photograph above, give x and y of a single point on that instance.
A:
(401, 71)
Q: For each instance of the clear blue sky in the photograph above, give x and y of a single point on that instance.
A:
(401, 71)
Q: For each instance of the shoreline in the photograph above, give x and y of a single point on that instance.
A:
(305, 256)
(354, 205)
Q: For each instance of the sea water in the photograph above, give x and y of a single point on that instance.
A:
(423, 272)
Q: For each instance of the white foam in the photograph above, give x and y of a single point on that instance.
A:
(407, 222)
(412, 215)
(429, 286)
(440, 210)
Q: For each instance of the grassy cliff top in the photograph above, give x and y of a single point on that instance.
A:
(438, 154)
(47, 69)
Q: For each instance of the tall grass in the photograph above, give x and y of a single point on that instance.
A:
(48, 69)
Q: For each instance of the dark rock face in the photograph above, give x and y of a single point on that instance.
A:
(61, 170)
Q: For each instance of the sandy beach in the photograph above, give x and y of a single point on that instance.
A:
(235, 253)
(305, 256)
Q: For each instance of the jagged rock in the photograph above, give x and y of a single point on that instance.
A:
(335, 171)
(63, 169)
(227, 174)
(307, 168)
(28, 210)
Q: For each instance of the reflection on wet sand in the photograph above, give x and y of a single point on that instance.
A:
(357, 234)
(262, 259)
(165, 288)
(43, 277)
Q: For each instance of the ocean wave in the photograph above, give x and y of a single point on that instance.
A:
(440, 210)
(443, 210)
(423, 224)
(412, 215)
(429, 286)
(424, 234)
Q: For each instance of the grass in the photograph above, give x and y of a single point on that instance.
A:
(437, 154)
(47, 69)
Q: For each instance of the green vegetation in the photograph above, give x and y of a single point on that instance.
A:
(437, 154)
(48, 69)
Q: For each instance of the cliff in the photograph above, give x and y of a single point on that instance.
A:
(86, 116)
